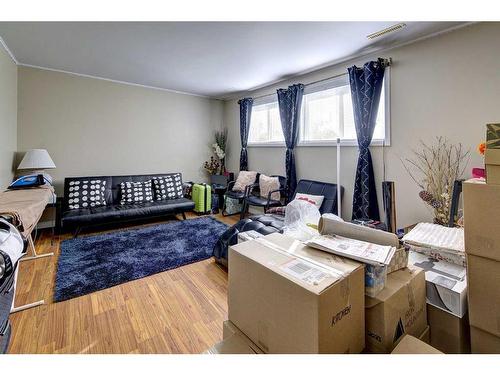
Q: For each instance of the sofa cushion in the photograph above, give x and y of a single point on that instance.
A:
(86, 193)
(168, 187)
(136, 192)
(126, 211)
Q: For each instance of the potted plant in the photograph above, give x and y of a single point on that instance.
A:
(216, 166)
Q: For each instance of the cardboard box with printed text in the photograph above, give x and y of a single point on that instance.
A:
(398, 309)
(289, 298)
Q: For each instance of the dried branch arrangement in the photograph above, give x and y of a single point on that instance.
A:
(434, 169)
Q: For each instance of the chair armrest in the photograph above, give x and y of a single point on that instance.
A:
(249, 188)
(230, 185)
(281, 190)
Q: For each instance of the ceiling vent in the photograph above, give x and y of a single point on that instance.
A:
(387, 30)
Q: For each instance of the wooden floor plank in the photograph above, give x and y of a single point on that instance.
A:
(177, 311)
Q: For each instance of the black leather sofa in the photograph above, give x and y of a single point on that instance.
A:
(271, 223)
(113, 211)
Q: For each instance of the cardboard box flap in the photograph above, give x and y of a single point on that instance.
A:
(492, 156)
(412, 345)
(393, 284)
(312, 269)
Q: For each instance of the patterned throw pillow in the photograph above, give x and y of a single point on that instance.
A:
(317, 200)
(168, 187)
(86, 194)
(136, 192)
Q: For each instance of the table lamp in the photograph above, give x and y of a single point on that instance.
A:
(36, 160)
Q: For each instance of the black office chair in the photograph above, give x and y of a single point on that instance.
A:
(253, 197)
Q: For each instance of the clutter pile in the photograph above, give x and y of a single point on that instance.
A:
(482, 247)
(439, 252)
(354, 294)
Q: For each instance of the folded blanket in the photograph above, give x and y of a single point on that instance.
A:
(25, 206)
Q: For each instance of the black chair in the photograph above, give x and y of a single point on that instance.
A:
(238, 195)
(271, 223)
(253, 197)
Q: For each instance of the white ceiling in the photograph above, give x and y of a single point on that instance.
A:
(216, 59)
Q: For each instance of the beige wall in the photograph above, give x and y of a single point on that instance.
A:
(448, 85)
(96, 127)
(8, 117)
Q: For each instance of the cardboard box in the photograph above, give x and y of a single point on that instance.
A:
(412, 345)
(234, 344)
(492, 136)
(446, 283)
(483, 342)
(448, 333)
(484, 293)
(492, 163)
(398, 309)
(289, 298)
(481, 213)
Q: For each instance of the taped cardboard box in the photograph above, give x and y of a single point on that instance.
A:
(398, 309)
(481, 224)
(289, 298)
(448, 333)
(411, 345)
(492, 163)
(483, 342)
(446, 283)
(484, 293)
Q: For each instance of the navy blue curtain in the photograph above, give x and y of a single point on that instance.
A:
(366, 87)
(245, 116)
(290, 101)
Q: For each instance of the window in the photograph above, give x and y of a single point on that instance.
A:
(265, 125)
(327, 114)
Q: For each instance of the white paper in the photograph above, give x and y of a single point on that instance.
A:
(358, 250)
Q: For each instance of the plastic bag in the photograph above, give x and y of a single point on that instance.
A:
(301, 220)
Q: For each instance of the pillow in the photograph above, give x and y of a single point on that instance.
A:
(317, 200)
(168, 187)
(86, 194)
(136, 192)
(267, 184)
(244, 179)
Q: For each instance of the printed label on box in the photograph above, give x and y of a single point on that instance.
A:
(304, 272)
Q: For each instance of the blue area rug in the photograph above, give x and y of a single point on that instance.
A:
(92, 263)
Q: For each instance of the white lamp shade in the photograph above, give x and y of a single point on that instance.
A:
(36, 159)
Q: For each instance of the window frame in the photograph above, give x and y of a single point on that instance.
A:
(325, 85)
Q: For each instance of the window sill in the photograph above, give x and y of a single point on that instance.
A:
(343, 143)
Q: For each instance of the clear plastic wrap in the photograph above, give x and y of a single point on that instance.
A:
(301, 220)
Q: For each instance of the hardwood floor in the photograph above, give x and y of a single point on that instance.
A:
(177, 311)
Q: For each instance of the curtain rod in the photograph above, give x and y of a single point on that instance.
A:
(386, 62)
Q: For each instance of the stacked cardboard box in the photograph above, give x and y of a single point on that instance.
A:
(446, 290)
(397, 310)
(492, 154)
(482, 245)
(289, 298)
